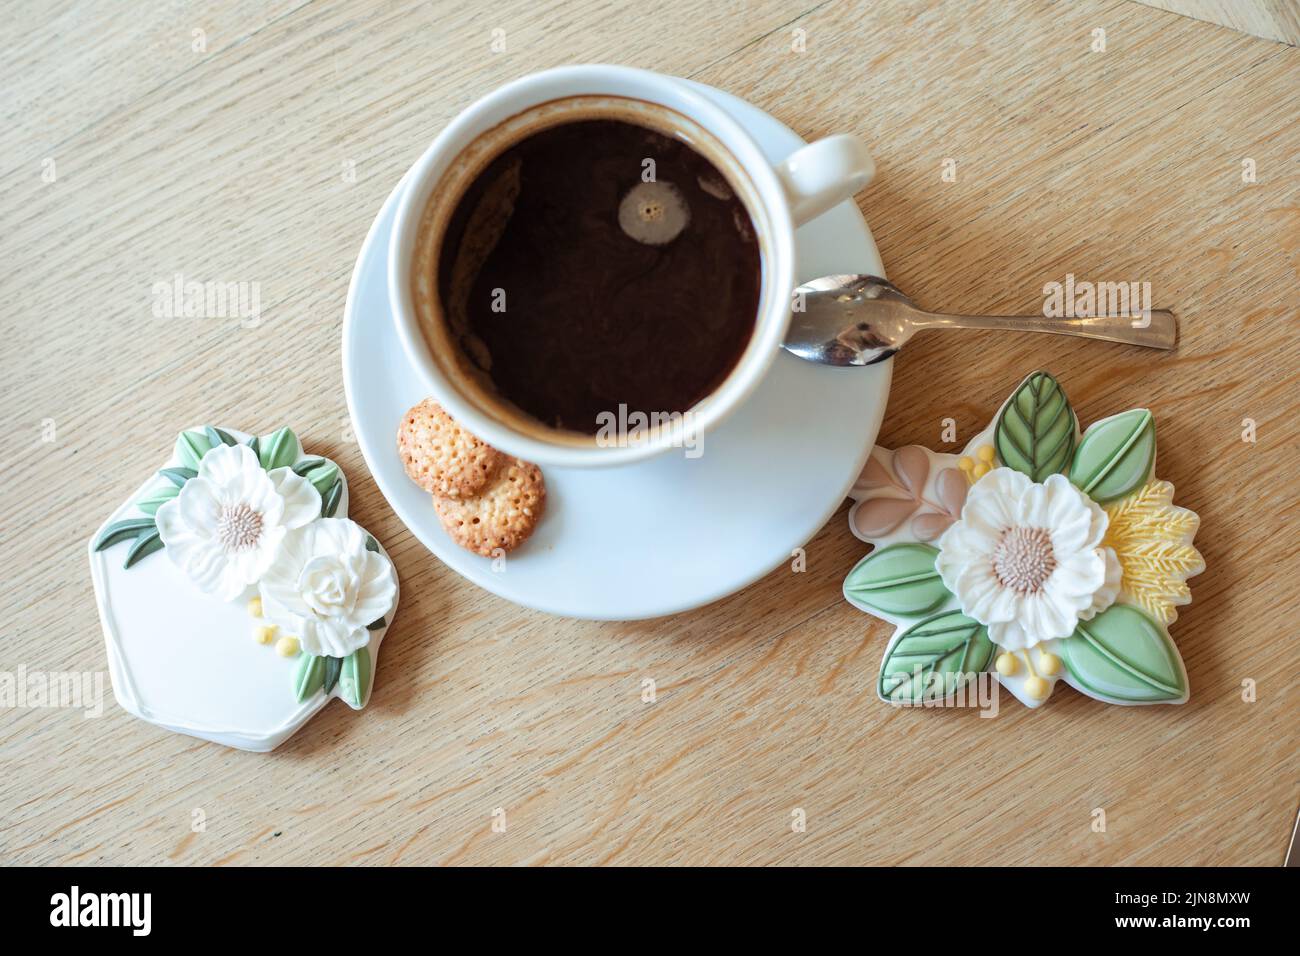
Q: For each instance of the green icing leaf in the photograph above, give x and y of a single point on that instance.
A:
(333, 667)
(1035, 431)
(372, 544)
(178, 476)
(321, 472)
(1121, 654)
(279, 449)
(306, 465)
(1115, 456)
(330, 500)
(949, 646)
(191, 446)
(120, 531)
(308, 676)
(145, 545)
(218, 437)
(354, 682)
(900, 579)
(255, 444)
(377, 624)
(323, 478)
(151, 502)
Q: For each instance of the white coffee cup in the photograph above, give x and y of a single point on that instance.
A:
(778, 198)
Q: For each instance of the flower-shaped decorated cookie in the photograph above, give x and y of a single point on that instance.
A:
(1039, 554)
(257, 554)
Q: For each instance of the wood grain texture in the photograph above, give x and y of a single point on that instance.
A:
(1115, 166)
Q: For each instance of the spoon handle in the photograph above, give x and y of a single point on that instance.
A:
(1161, 332)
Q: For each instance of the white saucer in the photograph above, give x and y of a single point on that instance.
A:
(672, 533)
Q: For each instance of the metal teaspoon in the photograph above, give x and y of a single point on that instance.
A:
(846, 320)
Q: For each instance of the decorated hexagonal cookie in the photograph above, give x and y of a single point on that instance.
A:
(236, 596)
(1039, 554)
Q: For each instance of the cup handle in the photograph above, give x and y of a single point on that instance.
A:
(823, 174)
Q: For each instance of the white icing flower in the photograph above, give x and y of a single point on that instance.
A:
(1026, 559)
(225, 526)
(325, 587)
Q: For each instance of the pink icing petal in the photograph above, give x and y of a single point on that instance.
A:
(873, 476)
(912, 465)
(930, 525)
(952, 485)
(876, 517)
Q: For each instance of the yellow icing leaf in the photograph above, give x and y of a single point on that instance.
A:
(1152, 538)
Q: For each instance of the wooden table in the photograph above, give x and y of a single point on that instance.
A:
(259, 149)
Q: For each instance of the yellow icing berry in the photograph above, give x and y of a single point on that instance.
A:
(264, 633)
(1036, 688)
(1007, 664)
(965, 463)
(985, 453)
(287, 646)
(255, 606)
(1049, 664)
(981, 470)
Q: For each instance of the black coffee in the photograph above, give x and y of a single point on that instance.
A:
(598, 264)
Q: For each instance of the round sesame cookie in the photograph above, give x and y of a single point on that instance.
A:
(502, 515)
(440, 456)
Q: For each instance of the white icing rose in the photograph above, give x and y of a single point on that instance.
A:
(1026, 559)
(325, 587)
(225, 526)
